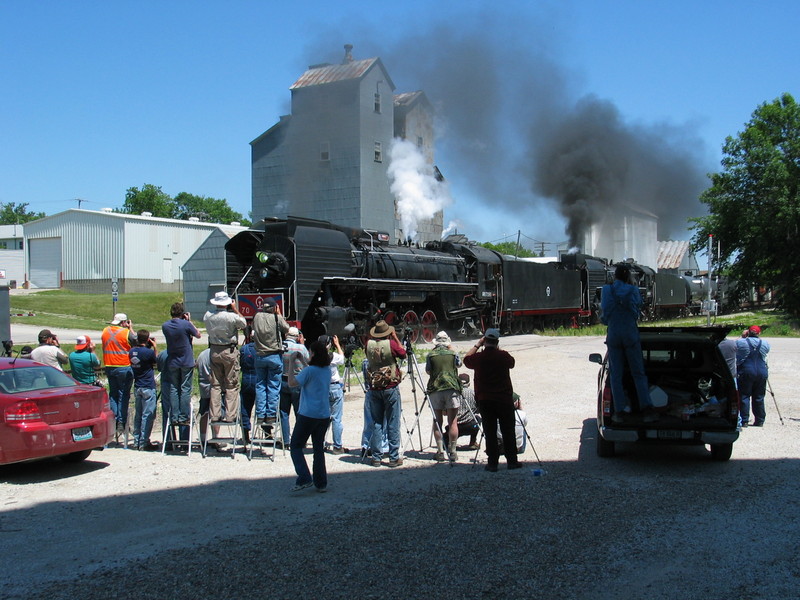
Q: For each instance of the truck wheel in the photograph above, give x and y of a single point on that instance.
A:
(721, 451)
(605, 449)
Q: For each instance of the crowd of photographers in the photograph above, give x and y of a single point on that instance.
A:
(276, 372)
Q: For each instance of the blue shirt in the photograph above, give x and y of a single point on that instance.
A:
(315, 392)
(179, 334)
(143, 361)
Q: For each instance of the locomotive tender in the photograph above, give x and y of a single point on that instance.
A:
(326, 277)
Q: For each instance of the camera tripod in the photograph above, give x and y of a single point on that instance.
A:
(349, 370)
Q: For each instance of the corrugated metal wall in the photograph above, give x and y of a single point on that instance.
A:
(144, 253)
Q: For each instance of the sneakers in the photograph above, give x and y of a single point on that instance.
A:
(758, 423)
(490, 468)
(396, 463)
(340, 450)
(452, 447)
(302, 486)
(148, 447)
(439, 457)
(322, 490)
(376, 462)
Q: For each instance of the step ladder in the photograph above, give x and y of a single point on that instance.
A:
(260, 438)
(234, 429)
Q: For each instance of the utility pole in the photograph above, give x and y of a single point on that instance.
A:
(516, 252)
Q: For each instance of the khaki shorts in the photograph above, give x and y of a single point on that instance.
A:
(444, 400)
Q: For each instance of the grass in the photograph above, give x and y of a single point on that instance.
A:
(70, 310)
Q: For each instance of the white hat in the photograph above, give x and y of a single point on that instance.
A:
(119, 318)
(442, 338)
(293, 332)
(221, 299)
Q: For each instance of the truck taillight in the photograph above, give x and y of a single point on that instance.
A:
(734, 411)
(607, 400)
(23, 411)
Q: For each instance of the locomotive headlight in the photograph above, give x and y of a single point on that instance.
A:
(262, 257)
(264, 273)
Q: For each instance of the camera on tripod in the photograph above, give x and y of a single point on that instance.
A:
(351, 342)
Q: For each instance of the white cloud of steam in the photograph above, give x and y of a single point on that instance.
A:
(451, 227)
(418, 193)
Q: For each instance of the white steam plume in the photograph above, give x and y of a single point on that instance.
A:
(419, 194)
(451, 227)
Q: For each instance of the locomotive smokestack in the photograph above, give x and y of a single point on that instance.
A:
(348, 54)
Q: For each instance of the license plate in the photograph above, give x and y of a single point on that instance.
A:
(81, 434)
(669, 434)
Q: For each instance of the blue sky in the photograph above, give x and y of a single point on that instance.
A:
(98, 97)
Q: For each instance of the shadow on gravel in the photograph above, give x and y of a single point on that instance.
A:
(50, 469)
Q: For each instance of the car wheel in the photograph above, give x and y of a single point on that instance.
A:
(721, 451)
(76, 457)
(605, 449)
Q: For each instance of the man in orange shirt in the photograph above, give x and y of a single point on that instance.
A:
(117, 340)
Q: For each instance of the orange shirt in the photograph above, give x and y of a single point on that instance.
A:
(116, 346)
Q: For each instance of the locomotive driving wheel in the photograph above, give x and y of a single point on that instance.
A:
(411, 321)
(430, 325)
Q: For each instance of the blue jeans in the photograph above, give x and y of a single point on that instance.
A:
(337, 408)
(752, 385)
(120, 381)
(247, 393)
(618, 354)
(385, 404)
(304, 428)
(369, 425)
(290, 400)
(178, 391)
(144, 414)
(268, 384)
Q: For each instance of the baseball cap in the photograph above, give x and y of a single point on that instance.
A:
(492, 335)
(82, 342)
(119, 318)
(755, 329)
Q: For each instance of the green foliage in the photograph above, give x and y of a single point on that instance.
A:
(149, 199)
(152, 199)
(11, 213)
(211, 210)
(509, 248)
(754, 203)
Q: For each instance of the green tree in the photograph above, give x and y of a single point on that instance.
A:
(210, 210)
(11, 213)
(510, 248)
(149, 199)
(753, 203)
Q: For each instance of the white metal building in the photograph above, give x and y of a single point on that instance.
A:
(84, 250)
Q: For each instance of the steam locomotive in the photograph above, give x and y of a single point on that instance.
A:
(329, 278)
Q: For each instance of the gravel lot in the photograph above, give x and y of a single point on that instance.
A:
(662, 522)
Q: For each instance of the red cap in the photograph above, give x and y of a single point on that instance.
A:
(82, 342)
(755, 329)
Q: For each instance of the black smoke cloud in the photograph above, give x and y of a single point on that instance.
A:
(514, 127)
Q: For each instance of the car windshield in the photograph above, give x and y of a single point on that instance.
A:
(28, 379)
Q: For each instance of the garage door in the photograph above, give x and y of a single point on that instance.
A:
(45, 262)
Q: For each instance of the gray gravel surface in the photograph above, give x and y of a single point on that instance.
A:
(654, 522)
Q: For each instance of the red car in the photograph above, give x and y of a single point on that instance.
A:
(45, 413)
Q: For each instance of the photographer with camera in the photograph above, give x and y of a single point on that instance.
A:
(143, 362)
(382, 351)
(83, 362)
(117, 339)
(336, 392)
(269, 330)
(176, 384)
(49, 351)
(295, 359)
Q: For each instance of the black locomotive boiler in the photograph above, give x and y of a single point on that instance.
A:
(326, 277)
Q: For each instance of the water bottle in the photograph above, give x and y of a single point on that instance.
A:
(538, 472)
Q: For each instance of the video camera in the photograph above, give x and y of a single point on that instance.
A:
(351, 341)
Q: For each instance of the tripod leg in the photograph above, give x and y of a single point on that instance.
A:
(527, 435)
